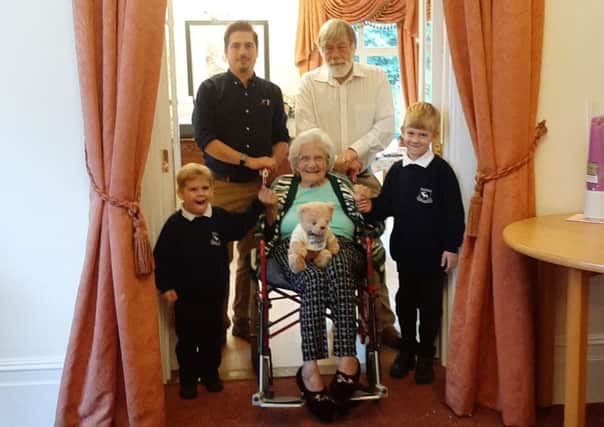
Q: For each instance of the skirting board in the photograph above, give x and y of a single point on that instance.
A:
(595, 369)
(28, 391)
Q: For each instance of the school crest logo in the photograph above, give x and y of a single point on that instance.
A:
(215, 239)
(424, 195)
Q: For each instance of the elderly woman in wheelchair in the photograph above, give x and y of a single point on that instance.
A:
(311, 157)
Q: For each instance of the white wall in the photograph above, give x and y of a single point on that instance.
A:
(572, 73)
(44, 214)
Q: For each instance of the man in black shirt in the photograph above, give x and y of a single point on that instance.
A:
(240, 125)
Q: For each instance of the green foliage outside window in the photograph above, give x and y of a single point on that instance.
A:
(379, 35)
(377, 45)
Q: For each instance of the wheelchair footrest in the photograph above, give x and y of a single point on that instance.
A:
(259, 399)
(378, 391)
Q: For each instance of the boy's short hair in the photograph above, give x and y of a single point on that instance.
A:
(191, 171)
(239, 26)
(336, 29)
(423, 115)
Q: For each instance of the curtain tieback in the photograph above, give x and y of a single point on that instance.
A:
(143, 254)
(482, 178)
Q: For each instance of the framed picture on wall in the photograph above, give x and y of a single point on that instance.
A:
(205, 50)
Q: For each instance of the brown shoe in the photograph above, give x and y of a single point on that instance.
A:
(391, 337)
(241, 330)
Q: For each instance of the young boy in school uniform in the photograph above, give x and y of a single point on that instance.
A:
(191, 259)
(422, 193)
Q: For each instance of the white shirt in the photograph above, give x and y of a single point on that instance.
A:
(357, 113)
(311, 242)
(423, 160)
(191, 216)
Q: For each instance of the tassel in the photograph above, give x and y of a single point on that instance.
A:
(143, 254)
(474, 215)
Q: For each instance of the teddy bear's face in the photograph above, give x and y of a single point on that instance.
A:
(315, 216)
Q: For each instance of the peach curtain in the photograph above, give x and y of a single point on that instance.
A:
(313, 13)
(112, 371)
(408, 57)
(496, 54)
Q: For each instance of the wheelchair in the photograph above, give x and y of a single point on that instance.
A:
(273, 287)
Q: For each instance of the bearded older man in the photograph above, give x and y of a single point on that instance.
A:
(352, 103)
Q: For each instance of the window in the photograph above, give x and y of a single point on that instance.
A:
(377, 45)
(428, 61)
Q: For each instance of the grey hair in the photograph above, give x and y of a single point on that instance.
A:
(336, 29)
(314, 135)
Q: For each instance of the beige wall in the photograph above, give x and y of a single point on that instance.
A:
(572, 74)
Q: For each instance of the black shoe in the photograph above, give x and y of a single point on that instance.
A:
(213, 383)
(424, 372)
(343, 386)
(403, 363)
(242, 330)
(188, 391)
(318, 402)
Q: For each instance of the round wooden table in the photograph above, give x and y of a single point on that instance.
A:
(578, 246)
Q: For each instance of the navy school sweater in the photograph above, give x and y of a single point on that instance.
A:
(191, 257)
(428, 213)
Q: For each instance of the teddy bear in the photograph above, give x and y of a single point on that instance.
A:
(312, 240)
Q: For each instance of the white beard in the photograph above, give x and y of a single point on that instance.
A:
(338, 71)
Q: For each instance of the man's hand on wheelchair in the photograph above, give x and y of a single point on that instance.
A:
(362, 198)
(346, 162)
(170, 296)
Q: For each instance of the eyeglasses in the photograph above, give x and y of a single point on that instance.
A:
(308, 159)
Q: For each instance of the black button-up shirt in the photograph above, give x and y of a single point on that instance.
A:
(250, 120)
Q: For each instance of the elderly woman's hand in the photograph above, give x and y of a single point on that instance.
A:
(362, 198)
(267, 196)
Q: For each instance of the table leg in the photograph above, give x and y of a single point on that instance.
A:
(576, 348)
(545, 327)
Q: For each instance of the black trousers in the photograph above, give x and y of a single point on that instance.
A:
(424, 292)
(199, 328)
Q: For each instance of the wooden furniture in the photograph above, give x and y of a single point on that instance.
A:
(579, 247)
(189, 151)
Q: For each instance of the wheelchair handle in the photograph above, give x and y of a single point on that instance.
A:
(265, 174)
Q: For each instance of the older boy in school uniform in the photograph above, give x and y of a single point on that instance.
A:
(191, 258)
(421, 192)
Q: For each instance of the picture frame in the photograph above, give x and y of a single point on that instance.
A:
(205, 50)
